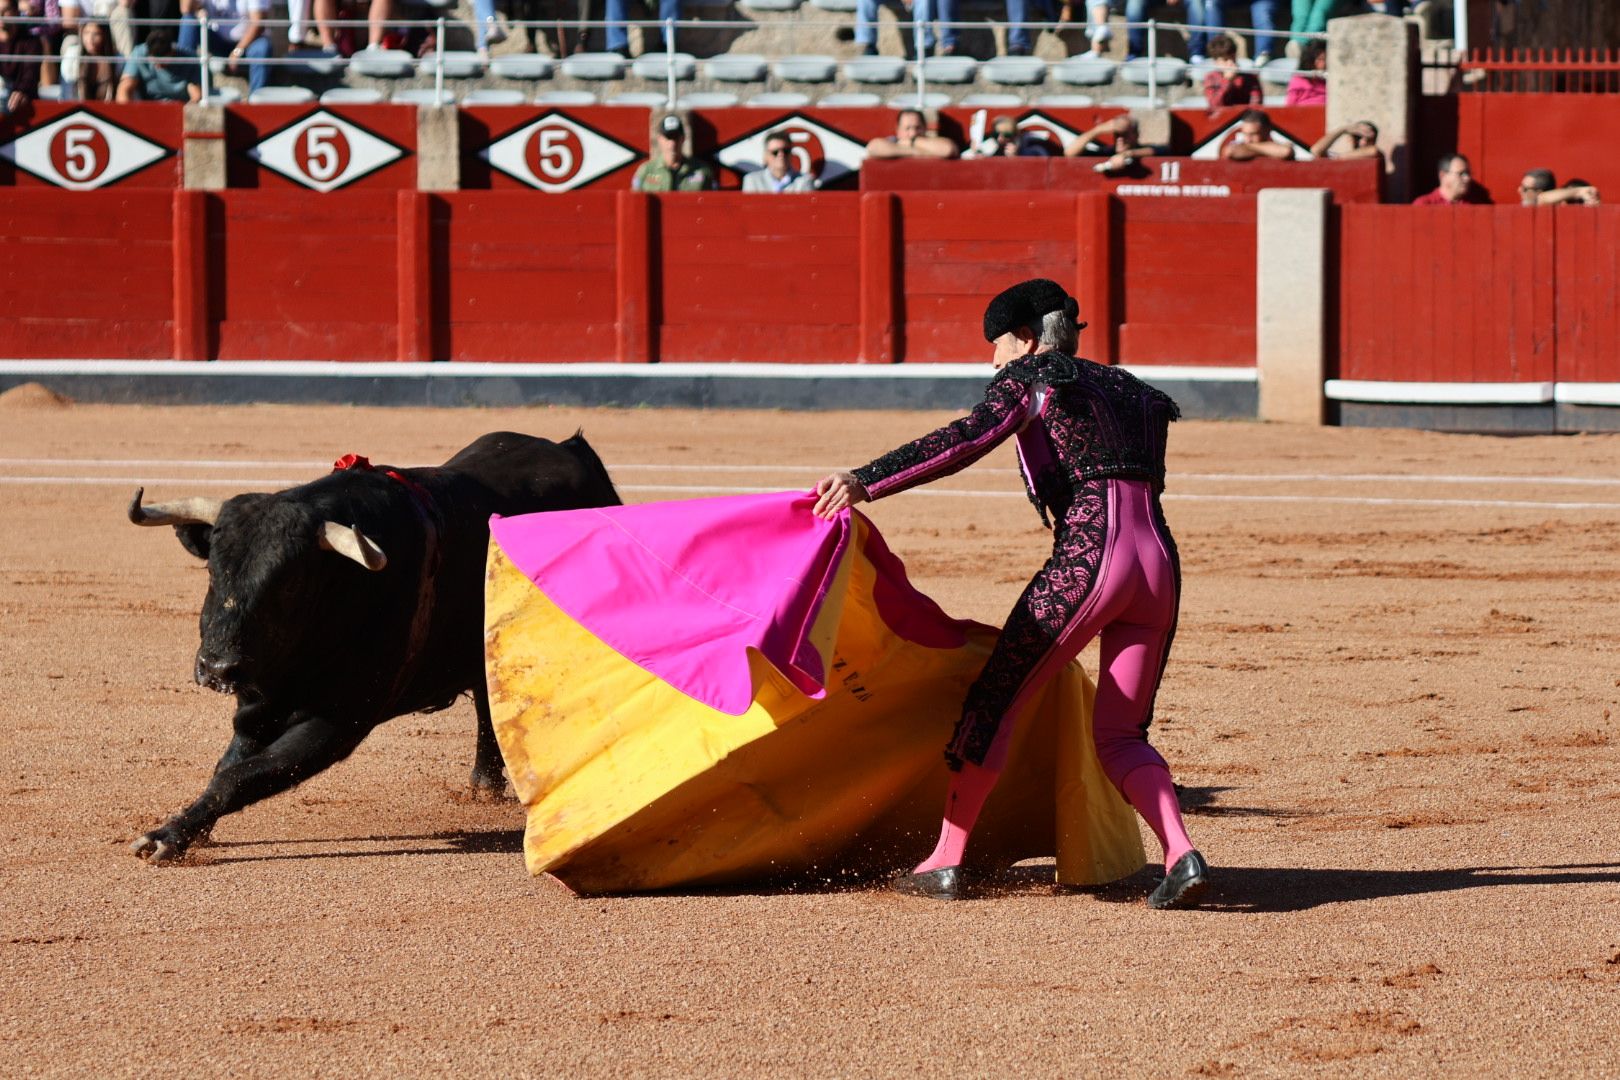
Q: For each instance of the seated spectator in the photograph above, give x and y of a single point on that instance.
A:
(19, 77)
(1311, 16)
(1265, 16)
(618, 38)
(778, 176)
(923, 11)
(1309, 84)
(1540, 188)
(1136, 11)
(1118, 140)
(669, 169)
(116, 13)
(148, 78)
(1254, 139)
(1007, 141)
(1363, 142)
(1456, 185)
(911, 139)
(97, 68)
(1226, 85)
(1204, 13)
(234, 32)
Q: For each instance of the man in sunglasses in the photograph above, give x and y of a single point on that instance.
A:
(1007, 141)
(778, 176)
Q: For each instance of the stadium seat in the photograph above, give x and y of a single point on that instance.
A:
(383, 64)
(1273, 100)
(1134, 101)
(281, 95)
(418, 95)
(738, 67)
(778, 100)
(491, 96)
(929, 101)
(1084, 71)
(656, 66)
(991, 101)
(874, 69)
(565, 97)
(1279, 71)
(351, 95)
(640, 99)
(835, 5)
(316, 62)
(1064, 101)
(521, 66)
(457, 65)
(50, 93)
(1190, 102)
(597, 67)
(1015, 70)
(709, 99)
(810, 69)
(949, 70)
(769, 5)
(1165, 71)
(856, 100)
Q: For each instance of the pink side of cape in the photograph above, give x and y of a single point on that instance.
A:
(685, 589)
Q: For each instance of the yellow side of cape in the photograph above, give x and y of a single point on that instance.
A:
(630, 785)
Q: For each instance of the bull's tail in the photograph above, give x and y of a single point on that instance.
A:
(587, 457)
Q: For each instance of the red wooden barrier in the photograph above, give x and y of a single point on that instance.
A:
(1504, 135)
(1188, 281)
(297, 147)
(1587, 312)
(80, 146)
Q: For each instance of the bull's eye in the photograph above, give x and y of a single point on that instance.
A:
(230, 602)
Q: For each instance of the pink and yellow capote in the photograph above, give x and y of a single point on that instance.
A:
(732, 690)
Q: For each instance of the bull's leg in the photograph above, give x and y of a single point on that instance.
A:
(306, 746)
(488, 775)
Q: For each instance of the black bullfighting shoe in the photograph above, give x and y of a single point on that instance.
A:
(1184, 884)
(942, 884)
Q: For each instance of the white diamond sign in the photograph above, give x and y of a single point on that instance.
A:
(324, 151)
(817, 150)
(556, 153)
(81, 151)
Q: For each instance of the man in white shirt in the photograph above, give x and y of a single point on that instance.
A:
(234, 32)
(778, 175)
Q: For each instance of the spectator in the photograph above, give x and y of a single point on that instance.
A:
(19, 78)
(1021, 13)
(778, 176)
(1254, 139)
(1540, 188)
(923, 11)
(1363, 142)
(1456, 185)
(1226, 85)
(97, 66)
(1309, 84)
(1122, 149)
(1204, 13)
(148, 78)
(911, 139)
(234, 31)
(1136, 11)
(1311, 16)
(45, 24)
(1265, 15)
(1007, 141)
(117, 14)
(669, 169)
(618, 39)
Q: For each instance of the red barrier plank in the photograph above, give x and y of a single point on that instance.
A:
(315, 147)
(880, 280)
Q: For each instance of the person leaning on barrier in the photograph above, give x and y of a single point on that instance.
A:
(1540, 188)
(148, 78)
(911, 139)
(1456, 185)
(778, 177)
(1007, 141)
(669, 169)
(1119, 140)
(1253, 139)
(1363, 142)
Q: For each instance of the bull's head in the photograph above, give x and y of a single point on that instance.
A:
(268, 578)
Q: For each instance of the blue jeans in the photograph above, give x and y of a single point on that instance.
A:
(1203, 13)
(220, 45)
(1263, 13)
(617, 37)
(1136, 39)
(1023, 11)
(483, 12)
(923, 11)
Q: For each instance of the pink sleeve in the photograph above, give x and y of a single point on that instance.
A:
(953, 447)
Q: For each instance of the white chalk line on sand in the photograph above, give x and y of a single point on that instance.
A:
(799, 470)
(715, 489)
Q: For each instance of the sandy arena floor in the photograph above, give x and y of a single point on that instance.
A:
(1390, 705)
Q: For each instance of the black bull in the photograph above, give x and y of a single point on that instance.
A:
(344, 602)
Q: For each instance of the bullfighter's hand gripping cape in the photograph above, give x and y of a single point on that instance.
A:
(733, 690)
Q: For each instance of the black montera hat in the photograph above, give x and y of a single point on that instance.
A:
(1024, 304)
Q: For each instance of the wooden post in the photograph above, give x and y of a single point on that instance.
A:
(413, 253)
(190, 260)
(881, 340)
(1094, 254)
(634, 211)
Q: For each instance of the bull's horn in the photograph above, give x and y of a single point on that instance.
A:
(193, 511)
(351, 543)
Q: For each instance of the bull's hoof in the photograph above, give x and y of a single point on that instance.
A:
(487, 788)
(159, 846)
